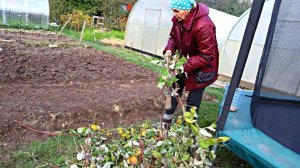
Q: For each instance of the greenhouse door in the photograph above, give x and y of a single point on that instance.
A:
(151, 30)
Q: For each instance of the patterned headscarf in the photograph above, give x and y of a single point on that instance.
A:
(182, 4)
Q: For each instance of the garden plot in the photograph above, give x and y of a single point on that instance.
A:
(52, 83)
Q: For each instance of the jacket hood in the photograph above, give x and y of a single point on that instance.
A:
(201, 10)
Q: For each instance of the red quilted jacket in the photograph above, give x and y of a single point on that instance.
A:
(195, 39)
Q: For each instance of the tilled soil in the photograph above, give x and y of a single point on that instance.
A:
(67, 86)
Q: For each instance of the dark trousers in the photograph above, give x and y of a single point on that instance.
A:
(194, 98)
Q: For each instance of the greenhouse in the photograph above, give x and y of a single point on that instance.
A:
(149, 25)
(25, 13)
(232, 43)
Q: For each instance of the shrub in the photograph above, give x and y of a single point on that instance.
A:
(77, 19)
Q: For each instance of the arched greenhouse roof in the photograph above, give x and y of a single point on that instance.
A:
(232, 44)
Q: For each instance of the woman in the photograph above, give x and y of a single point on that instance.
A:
(193, 35)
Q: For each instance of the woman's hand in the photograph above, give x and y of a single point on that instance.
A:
(168, 55)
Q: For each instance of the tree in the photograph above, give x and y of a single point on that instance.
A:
(110, 9)
(234, 7)
(113, 13)
(62, 7)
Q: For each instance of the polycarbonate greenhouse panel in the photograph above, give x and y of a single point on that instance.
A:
(230, 50)
(25, 13)
(151, 30)
(148, 26)
(224, 23)
(29, 6)
(134, 36)
(229, 56)
(150, 37)
(161, 44)
(262, 28)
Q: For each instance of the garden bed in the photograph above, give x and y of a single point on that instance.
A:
(52, 83)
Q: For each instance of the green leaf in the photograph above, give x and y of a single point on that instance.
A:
(188, 115)
(132, 131)
(113, 158)
(185, 157)
(81, 130)
(188, 120)
(87, 131)
(174, 79)
(182, 60)
(160, 79)
(120, 130)
(205, 143)
(180, 63)
(156, 154)
(223, 139)
(193, 110)
(72, 131)
(169, 83)
(164, 72)
(212, 155)
(194, 129)
(214, 125)
(151, 134)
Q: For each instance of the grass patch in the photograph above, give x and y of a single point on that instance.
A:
(226, 159)
(209, 110)
(50, 153)
(89, 34)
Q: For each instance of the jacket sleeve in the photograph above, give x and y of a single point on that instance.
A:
(206, 44)
(171, 42)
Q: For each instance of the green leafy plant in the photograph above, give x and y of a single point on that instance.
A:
(171, 66)
(185, 144)
(77, 19)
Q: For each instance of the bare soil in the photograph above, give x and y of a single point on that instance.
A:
(67, 86)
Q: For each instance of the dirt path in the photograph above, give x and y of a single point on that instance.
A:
(69, 86)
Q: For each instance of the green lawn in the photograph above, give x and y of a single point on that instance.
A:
(89, 34)
(57, 150)
(50, 153)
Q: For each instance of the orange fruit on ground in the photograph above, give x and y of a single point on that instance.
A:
(132, 160)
